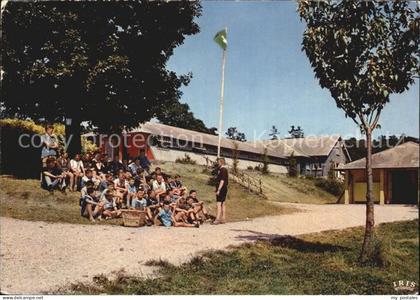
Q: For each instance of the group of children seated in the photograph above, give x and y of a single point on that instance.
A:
(107, 187)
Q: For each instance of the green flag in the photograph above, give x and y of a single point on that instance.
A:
(221, 39)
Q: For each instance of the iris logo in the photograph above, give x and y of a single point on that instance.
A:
(405, 285)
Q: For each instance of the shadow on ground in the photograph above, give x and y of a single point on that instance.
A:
(288, 241)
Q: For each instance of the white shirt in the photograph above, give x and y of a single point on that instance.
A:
(93, 179)
(133, 168)
(76, 165)
(159, 186)
(123, 184)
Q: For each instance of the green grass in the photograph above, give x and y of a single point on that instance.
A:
(240, 204)
(323, 263)
(24, 199)
(282, 188)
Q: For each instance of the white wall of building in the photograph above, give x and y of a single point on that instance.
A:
(164, 154)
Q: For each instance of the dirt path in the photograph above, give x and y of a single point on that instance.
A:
(39, 256)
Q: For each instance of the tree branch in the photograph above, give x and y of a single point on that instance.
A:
(362, 120)
(355, 121)
(375, 121)
(371, 115)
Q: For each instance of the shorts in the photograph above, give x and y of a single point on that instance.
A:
(222, 195)
(108, 207)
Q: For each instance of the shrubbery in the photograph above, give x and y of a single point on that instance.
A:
(186, 160)
(24, 162)
(293, 170)
(332, 186)
(213, 174)
(310, 177)
(235, 160)
(266, 160)
(30, 127)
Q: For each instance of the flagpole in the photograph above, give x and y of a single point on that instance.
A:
(222, 90)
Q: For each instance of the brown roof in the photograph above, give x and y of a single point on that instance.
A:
(200, 138)
(313, 145)
(303, 147)
(281, 147)
(402, 156)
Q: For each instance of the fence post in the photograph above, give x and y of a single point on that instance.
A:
(260, 182)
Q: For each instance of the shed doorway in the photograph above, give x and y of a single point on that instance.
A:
(404, 187)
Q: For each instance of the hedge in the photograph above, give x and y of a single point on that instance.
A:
(25, 162)
(332, 186)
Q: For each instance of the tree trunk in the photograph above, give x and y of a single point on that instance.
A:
(73, 137)
(370, 220)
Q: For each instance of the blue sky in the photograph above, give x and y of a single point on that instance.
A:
(268, 79)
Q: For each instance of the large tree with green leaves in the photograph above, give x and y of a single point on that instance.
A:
(179, 115)
(362, 51)
(99, 62)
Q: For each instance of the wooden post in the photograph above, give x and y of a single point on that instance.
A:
(389, 196)
(381, 187)
(260, 182)
(346, 187)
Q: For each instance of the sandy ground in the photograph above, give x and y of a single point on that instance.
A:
(37, 256)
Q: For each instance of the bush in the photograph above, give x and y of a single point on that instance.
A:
(310, 177)
(213, 174)
(235, 155)
(88, 146)
(332, 186)
(293, 171)
(265, 160)
(206, 171)
(15, 160)
(30, 126)
(186, 160)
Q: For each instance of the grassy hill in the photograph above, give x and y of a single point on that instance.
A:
(240, 204)
(24, 199)
(276, 187)
(282, 188)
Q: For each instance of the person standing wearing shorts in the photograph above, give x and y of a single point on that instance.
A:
(221, 191)
(49, 144)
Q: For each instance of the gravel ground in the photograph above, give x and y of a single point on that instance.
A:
(37, 257)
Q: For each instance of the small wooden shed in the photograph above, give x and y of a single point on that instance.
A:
(395, 176)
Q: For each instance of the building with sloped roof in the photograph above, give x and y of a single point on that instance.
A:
(168, 143)
(395, 176)
(175, 138)
(314, 155)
